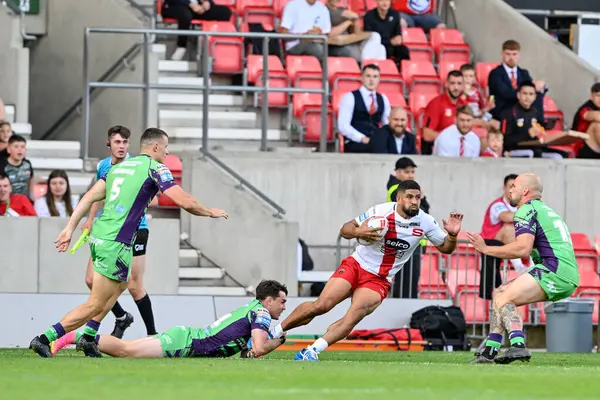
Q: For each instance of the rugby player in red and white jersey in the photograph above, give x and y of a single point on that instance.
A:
(367, 274)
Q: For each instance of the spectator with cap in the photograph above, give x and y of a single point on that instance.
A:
(406, 281)
(13, 205)
(587, 120)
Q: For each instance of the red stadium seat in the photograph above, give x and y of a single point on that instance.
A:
(277, 79)
(307, 108)
(480, 131)
(552, 112)
(255, 66)
(449, 45)
(370, 4)
(597, 244)
(396, 98)
(482, 70)
(420, 76)
(336, 97)
(165, 202)
(278, 6)
(225, 52)
(390, 77)
(463, 258)
(343, 73)
(587, 257)
(257, 11)
(40, 190)
(358, 6)
(476, 309)
(418, 101)
(416, 42)
(303, 66)
(446, 66)
(430, 280)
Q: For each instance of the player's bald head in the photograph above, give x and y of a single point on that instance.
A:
(532, 182)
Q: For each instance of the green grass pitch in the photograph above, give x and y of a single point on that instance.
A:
(360, 375)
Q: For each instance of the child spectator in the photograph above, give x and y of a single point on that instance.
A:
(5, 134)
(473, 96)
(58, 201)
(495, 143)
(13, 205)
(17, 167)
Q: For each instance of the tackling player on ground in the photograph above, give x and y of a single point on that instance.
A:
(367, 274)
(128, 189)
(541, 233)
(225, 337)
(118, 145)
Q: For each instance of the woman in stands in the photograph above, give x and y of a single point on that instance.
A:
(57, 202)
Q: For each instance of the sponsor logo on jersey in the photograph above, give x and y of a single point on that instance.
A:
(362, 217)
(397, 244)
(551, 288)
(263, 317)
(164, 173)
(419, 6)
(123, 171)
(414, 224)
(139, 247)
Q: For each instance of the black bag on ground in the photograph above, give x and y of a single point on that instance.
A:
(441, 327)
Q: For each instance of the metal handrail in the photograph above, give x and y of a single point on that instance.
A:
(243, 182)
(129, 54)
(146, 86)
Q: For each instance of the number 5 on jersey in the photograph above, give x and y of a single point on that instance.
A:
(115, 189)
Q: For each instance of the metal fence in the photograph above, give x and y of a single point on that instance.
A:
(204, 70)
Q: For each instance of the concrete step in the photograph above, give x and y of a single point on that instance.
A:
(218, 119)
(196, 99)
(223, 133)
(212, 291)
(22, 129)
(200, 273)
(10, 112)
(53, 149)
(160, 49)
(177, 66)
(189, 257)
(68, 164)
(181, 80)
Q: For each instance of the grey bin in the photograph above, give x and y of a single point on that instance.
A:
(569, 326)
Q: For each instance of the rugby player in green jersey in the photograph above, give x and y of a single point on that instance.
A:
(541, 233)
(127, 190)
(225, 337)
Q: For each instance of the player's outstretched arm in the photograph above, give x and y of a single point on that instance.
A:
(262, 345)
(95, 194)
(520, 248)
(452, 226)
(351, 230)
(190, 204)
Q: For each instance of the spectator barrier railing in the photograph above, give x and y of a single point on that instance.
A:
(206, 87)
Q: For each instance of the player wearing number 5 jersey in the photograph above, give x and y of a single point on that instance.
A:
(225, 337)
(541, 233)
(366, 274)
(128, 189)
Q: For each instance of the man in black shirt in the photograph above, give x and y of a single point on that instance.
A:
(520, 124)
(386, 22)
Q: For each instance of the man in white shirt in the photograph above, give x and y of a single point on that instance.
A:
(363, 112)
(458, 140)
(307, 17)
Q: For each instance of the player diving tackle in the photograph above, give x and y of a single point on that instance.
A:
(127, 189)
(541, 233)
(223, 338)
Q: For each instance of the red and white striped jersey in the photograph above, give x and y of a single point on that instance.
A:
(386, 256)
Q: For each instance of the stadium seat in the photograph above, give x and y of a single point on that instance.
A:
(391, 81)
(278, 6)
(40, 190)
(595, 295)
(418, 101)
(476, 309)
(370, 4)
(430, 280)
(257, 11)
(336, 97)
(175, 166)
(445, 67)
(416, 42)
(396, 98)
(165, 202)
(303, 67)
(255, 66)
(420, 76)
(159, 5)
(552, 113)
(587, 257)
(588, 281)
(597, 244)
(343, 73)
(307, 108)
(480, 131)
(463, 258)
(226, 52)
(457, 280)
(277, 79)
(358, 6)
(449, 45)
(482, 70)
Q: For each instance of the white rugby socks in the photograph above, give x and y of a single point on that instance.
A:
(319, 345)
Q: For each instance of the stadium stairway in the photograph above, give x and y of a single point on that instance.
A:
(231, 126)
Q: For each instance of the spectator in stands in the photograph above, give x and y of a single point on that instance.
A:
(345, 26)
(399, 140)
(310, 17)
(18, 168)
(458, 140)
(5, 134)
(386, 22)
(474, 98)
(587, 120)
(13, 205)
(504, 81)
(419, 13)
(58, 201)
(495, 143)
(520, 124)
(362, 113)
(497, 230)
(440, 113)
(184, 11)
(406, 281)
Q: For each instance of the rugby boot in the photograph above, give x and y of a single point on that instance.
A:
(121, 325)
